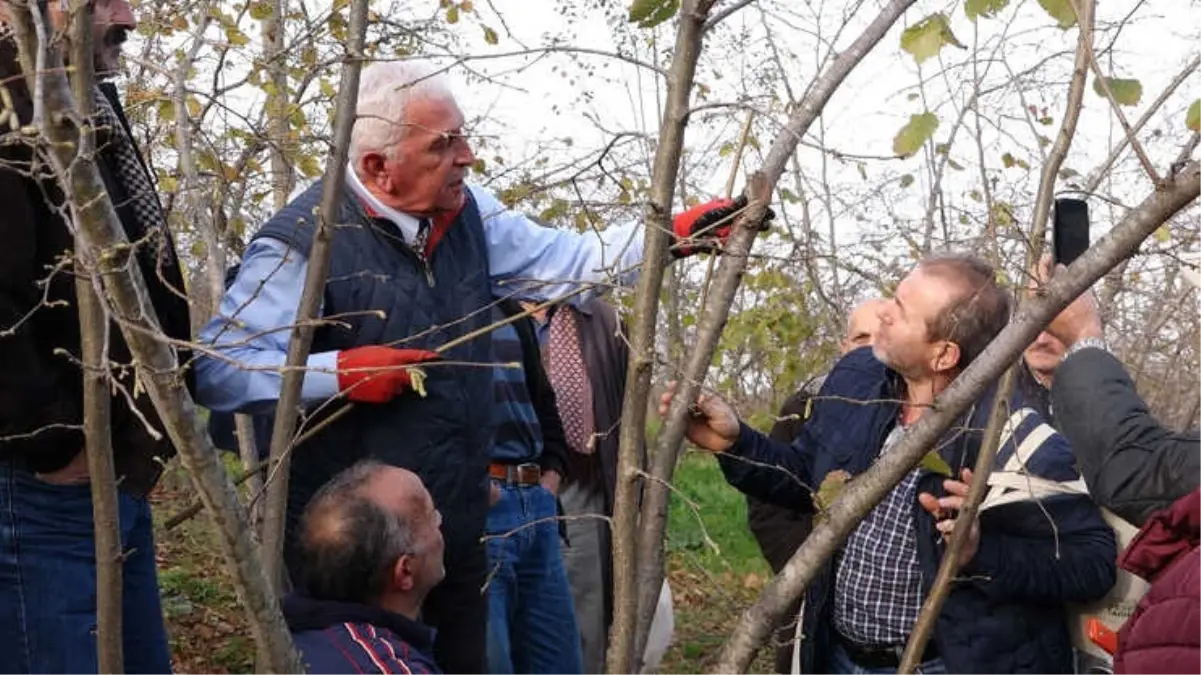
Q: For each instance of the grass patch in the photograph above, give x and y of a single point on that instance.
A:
(713, 564)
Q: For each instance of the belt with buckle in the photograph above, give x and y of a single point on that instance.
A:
(516, 474)
(882, 656)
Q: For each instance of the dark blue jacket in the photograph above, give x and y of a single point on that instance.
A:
(339, 637)
(1007, 614)
(381, 293)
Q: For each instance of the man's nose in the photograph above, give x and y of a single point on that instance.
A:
(464, 156)
(116, 13)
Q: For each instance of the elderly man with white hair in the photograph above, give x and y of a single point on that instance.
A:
(417, 257)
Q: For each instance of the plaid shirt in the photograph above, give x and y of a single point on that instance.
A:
(878, 584)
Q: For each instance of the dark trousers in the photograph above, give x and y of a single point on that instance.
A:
(48, 580)
(458, 608)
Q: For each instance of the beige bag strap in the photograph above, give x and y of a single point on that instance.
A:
(1013, 483)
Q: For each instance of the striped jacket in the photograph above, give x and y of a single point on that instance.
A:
(337, 637)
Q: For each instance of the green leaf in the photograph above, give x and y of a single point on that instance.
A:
(1162, 234)
(490, 35)
(934, 463)
(236, 37)
(1192, 120)
(906, 180)
(166, 110)
(309, 166)
(1061, 11)
(983, 8)
(651, 13)
(260, 11)
(954, 165)
(926, 37)
(830, 488)
(913, 135)
(1125, 91)
(1003, 213)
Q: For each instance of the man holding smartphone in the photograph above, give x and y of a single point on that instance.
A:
(1145, 473)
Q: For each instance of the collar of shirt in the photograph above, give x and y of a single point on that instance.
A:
(406, 223)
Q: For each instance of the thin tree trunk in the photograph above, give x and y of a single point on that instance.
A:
(623, 639)
(314, 288)
(950, 557)
(866, 491)
(93, 334)
(93, 331)
(653, 524)
(274, 37)
(248, 452)
(157, 365)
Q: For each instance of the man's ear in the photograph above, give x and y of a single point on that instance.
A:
(374, 169)
(402, 573)
(947, 358)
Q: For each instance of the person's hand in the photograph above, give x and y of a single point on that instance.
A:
(1077, 321)
(551, 481)
(946, 512)
(713, 427)
(74, 473)
(697, 229)
(377, 374)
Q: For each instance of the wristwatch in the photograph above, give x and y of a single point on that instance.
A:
(1085, 343)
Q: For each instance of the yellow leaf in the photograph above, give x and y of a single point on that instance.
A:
(490, 35)
(1162, 234)
(1192, 119)
(452, 14)
(934, 463)
(327, 88)
(417, 381)
(193, 105)
(830, 488)
(261, 11)
(914, 135)
(309, 166)
(925, 38)
(236, 37)
(1125, 91)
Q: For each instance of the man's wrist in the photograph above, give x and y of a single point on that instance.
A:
(1094, 342)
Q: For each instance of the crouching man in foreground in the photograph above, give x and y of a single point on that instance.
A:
(372, 549)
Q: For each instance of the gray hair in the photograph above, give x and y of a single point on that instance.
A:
(348, 543)
(385, 90)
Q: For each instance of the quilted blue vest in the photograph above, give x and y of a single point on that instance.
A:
(378, 293)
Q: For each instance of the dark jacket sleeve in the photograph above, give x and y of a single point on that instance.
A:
(1133, 465)
(777, 473)
(1057, 549)
(778, 530)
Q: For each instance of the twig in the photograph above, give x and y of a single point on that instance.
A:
(1087, 41)
(734, 169)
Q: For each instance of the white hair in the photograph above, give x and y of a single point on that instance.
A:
(385, 90)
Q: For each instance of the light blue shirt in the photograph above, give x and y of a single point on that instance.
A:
(254, 322)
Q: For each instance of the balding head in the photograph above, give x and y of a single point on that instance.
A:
(371, 536)
(862, 325)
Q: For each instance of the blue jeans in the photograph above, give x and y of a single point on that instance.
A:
(48, 580)
(840, 662)
(531, 620)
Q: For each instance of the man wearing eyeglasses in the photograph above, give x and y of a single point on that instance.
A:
(417, 258)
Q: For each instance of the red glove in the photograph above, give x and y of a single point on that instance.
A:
(376, 374)
(706, 223)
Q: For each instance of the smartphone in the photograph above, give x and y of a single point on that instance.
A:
(1069, 230)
